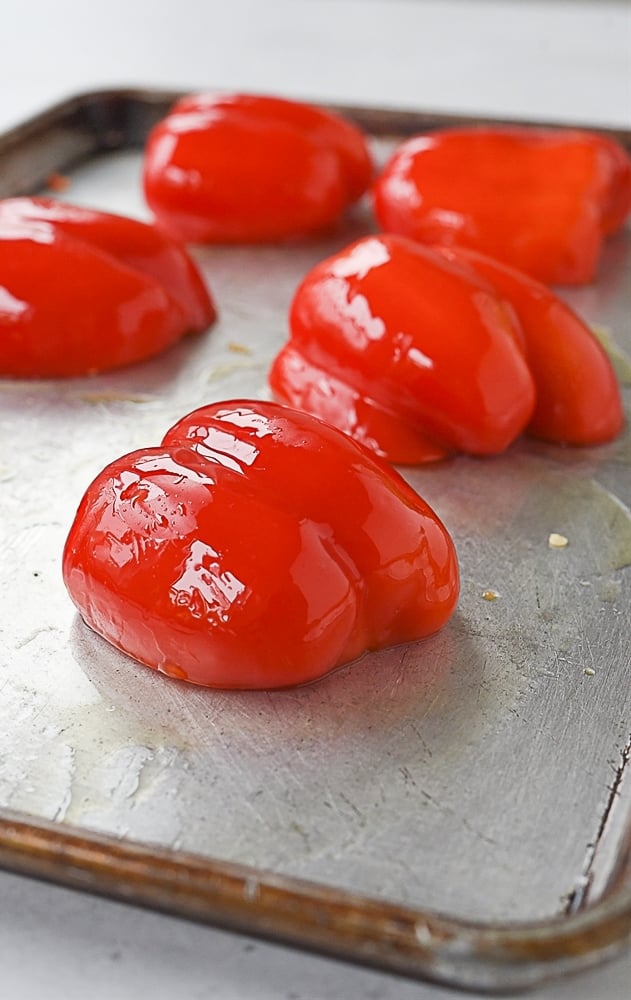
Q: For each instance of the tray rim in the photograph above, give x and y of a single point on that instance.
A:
(316, 917)
(362, 929)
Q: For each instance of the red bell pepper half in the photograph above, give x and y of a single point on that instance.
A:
(407, 352)
(83, 291)
(418, 352)
(239, 168)
(541, 200)
(257, 547)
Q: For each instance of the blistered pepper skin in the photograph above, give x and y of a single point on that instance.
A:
(539, 200)
(239, 168)
(256, 548)
(578, 397)
(411, 354)
(84, 291)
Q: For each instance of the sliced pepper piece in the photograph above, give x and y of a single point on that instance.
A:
(256, 548)
(541, 200)
(242, 168)
(578, 397)
(83, 291)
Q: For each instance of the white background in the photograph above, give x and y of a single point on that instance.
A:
(543, 59)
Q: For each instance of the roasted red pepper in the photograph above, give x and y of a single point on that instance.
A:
(541, 200)
(407, 352)
(578, 398)
(256, 548)
(238, 168)
(84, 291)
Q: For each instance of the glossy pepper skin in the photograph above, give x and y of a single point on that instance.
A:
(412, 354)
(83, 291)
(578, 397)
(239, 168)
(540, 200)
(257, 547)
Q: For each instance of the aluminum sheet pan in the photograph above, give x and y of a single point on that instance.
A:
(478, 773)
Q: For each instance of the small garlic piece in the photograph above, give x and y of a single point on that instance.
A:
(490, 595)
(556, 541)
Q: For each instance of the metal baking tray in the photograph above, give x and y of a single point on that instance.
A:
(456, 809)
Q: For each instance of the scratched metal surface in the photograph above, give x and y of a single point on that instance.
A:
(468, 773)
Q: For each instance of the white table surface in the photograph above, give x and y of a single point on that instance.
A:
(569, 61)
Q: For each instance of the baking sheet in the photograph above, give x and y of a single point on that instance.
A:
(470, 774)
